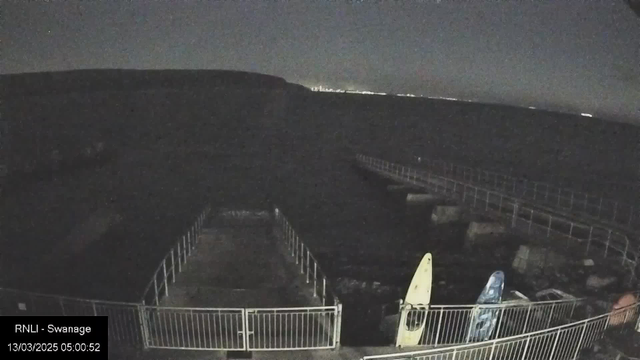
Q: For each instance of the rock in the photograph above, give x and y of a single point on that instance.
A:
(532, 260)
(588, 262)
(596, 282)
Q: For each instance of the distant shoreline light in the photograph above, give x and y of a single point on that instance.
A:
(366, 92)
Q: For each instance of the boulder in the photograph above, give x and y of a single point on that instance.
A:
(597, 282)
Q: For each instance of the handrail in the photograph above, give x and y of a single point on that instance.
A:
(503, 305)
(309, 266)
(513, 209)
(188, 242)
(596, 206)
(426, 354)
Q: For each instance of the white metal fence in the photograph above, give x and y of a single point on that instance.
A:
(140, 325)
(124, 319)
(195, 328)
(558, 343)
(315, 327)
(595, 206)
(293, 328)
(308, 264)
(172, 263)
(521, 216)
(451, 324)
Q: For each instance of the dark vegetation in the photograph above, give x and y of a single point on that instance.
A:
(239, 140)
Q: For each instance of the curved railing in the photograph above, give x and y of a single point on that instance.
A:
(595, 206)
(522, 216)
(452, 324)
(562, 342)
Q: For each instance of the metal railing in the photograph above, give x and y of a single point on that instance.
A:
(316, 327)
(293, 328)
(595, 206)
(451, 324)
(125, 325)
(172, 263)
(521, 216)
(308, 264)
(140, 325)
(195, 328)
(558, 343)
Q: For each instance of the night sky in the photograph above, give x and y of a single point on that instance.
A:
(576, 56)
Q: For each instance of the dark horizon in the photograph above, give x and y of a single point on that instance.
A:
(492, 102)
(572, 57)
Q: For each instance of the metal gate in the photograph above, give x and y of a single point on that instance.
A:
(242, 329)
(293, 328)
(194, 328)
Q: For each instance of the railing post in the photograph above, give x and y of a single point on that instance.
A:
(570, 233)
(308, 266)
(337, 327)
(493, 348)
(530, 221)
(144, 326)
(550, 316)
(179, 258)
(475, 197)
(549, 227)
(301, 254)
(61, 306)
(184, 248)
(500, 323)
(584, 329)
(571, 202)
(526, 320)
(526, 347)
(315, 279)
(555, 345)
(95, 311)
(173, 267)
(439, 324)
(514, 217)
(324, 291)
(164, 270)
(606, 249)
(474, 311)
(573, 307)
(600, 207)
(155, 286)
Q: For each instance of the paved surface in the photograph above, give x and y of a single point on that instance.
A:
(238, 267)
